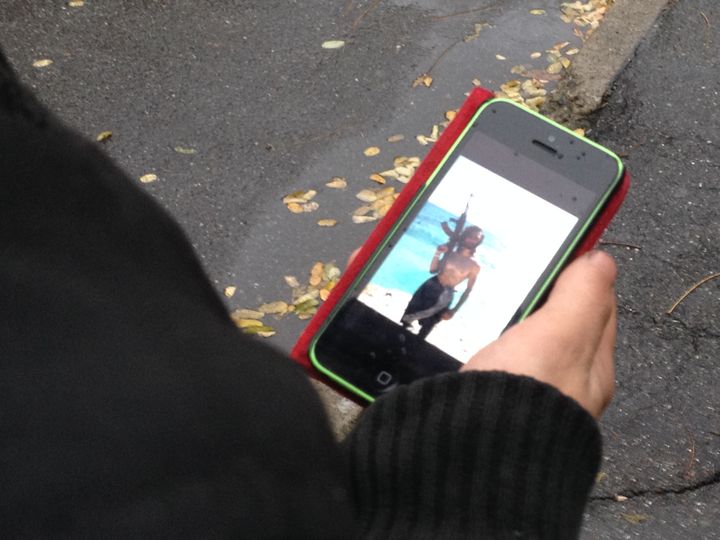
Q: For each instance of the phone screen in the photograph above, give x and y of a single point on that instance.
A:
(470, 257)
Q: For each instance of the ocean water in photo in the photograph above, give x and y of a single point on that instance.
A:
(408, 264)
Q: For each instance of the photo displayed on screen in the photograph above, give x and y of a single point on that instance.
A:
(468, 259)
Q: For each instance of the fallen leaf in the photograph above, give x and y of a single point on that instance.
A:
(262, 331)
(500, 57)
(537, 12)
(477, 82)
(333, 44)
(571, 52)
(45, 62)
(362, 211)
(292, 281)
(247, 323)
(635, 519)
(324, 294)
(363, 219)
(450, 115)
(366, 195)
(310, 206)
(476, 33)
(621, 498)
(554, 68)
(425, 80)
(565, 62)
(246, 314)
(327, 222)
(395, 138)
(229, 291)
(371, 151)
(104, 136)
(300, 197)
(536, 55)
(375, 177)
(600, 476)
(278, 307)
(76, 3)
(185, 150)
(337, 183)
(519, 69)
(147, 178)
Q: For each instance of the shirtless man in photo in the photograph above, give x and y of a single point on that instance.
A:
(430, 303)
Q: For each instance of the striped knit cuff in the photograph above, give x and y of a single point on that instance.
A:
(482, 455)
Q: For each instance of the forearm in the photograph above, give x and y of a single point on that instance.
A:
(474, 455)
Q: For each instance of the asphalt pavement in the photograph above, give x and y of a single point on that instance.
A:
(233, 105)
(662, 432)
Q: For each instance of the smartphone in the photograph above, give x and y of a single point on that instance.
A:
(474, 253)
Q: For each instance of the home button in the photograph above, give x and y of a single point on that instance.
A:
(384, 378)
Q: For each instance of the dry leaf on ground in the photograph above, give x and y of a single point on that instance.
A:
(424, 80)
(44, 62)
(371, 151)
(148, 178)
(333, 44)
(104, 136)
(229, 291)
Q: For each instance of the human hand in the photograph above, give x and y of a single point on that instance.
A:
(569, 343)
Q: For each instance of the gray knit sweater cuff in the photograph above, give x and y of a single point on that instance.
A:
(481, 455)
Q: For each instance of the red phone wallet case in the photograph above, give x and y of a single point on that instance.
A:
(477, 97)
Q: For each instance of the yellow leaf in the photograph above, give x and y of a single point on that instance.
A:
(518, 70)
(147, 178)
(536, 55)
(76, 3)
(310, 206)
(333, 44)
(363, 219)
(292, 281)
(229, 291)
(246, 314)
(571, 52)
(537, 12)
(104, 136)
(45, 62)
(337, 183)
(262, 331)
(635, 519)
(327, 222)
(377, 178)
(185, 150)
(324, 294)
(450, 115)
(600, 476)
(295, 208)
(274, 307)
(554, 68)
(371, 151)
(424, 80)
(580, 131)
(395, 138)
(565, 62)
(500, 57)
(247, 323)
(366, 195)
(362, 210)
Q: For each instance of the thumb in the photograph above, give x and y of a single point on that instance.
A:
(583, 294)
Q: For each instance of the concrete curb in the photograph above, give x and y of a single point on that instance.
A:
(601, 59)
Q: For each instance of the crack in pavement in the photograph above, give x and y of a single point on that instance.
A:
(638, 493)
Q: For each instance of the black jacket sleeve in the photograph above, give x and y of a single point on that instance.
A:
(473, 455)
(131, 407)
